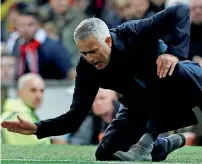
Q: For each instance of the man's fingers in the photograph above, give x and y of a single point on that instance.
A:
(166, 64)
(162, 69)
(3, 125)
(7, 124)
(172, 69)
(20, 119)
(15, 130)
(166, 69)
(12, 130)
(159, 63)
(20, 131)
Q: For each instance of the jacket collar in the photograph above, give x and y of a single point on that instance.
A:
(117, 50)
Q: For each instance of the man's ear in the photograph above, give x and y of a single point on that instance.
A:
(108, 40)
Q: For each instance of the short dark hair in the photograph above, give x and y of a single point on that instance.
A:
(31, 11)
(19, 6)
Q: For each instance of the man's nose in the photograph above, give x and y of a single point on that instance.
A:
(89, 58)
(39, 94)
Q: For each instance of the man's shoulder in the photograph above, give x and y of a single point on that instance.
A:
(50, 45)
(124, 26)
(50, 41)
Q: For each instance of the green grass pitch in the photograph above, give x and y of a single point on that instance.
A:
(59, 154)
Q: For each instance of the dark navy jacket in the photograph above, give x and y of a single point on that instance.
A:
(132, 68)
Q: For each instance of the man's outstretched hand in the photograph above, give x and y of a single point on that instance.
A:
(21, 126)
(166, 64)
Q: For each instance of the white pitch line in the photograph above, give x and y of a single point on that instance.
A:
(60, 160)
(65, 160)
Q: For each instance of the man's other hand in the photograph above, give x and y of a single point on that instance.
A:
(166, 64)
(21, 126)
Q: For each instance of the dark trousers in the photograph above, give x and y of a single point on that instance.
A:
(168, 106)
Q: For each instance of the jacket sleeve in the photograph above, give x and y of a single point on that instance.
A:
(173, 21)
(86, 87)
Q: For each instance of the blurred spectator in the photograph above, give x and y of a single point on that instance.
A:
(3, 49)
(157, 5)
(8, 68)
(39, 53)
(5, 5)
(195, 49)
(140, 9)
(83, 6)
(195, 52)
(95, 8)
(13, 35)
(11, 17)
(128, 10)
(8, 65)
(51, 30)
(66, 17)
(104, 109)
(103, 105)
(30, 92)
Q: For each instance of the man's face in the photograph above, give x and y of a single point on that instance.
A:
(27, 27)
(7, 69)
(103, 104)
(32, 92)
(95, 52)
(196, 11)
(59, 6)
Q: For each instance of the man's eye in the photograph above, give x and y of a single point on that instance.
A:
(84, 53)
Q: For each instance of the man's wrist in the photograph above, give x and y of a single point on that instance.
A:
(36, 125)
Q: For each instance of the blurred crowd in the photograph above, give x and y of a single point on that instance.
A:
(37, 39)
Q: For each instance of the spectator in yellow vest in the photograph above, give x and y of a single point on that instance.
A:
(30, 95)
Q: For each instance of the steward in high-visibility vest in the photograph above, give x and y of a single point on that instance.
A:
(12, 108)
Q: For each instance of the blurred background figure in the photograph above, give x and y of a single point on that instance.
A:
(10, 11)
(125, 10)
(104, 109)
(38, 52)
(65, 16)
(195, 52)
(8, 64)
(30, 96)
(5, 6)
(12, 36)
(51, 30)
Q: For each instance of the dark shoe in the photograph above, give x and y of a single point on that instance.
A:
(166, 145)
(135, 153)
